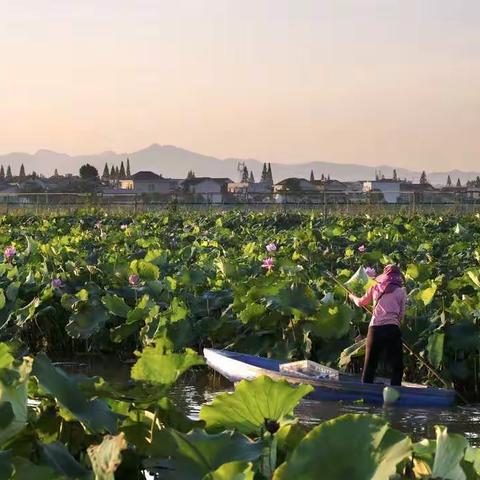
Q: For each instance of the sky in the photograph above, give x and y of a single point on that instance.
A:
(349, 81)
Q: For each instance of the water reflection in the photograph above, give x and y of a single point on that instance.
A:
(200, 386)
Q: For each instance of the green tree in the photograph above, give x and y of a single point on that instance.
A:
(459, 184)
(423, 178)
(128, 168)
(121, 173)
(244, 174)
(9, 175)
(190, 175)
(395, 177)
(449, 181)
(112, 172)
(2, 173)
(22, 175)
(105, 174)
(312, 176)
(88, 172)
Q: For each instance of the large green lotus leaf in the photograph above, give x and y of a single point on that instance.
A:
(472, 455)
(331, 321)
(14, 396)
(426, 294)
(157, 366)
(58, 458)
(146, 270)
(357, 447)
(232, 471)
(419, 271)
(89, 320)
(252, 404)
(355, 350)
(252, 313)
(450, 452)
(6, 465)
(107, 456)
(95, 414)
(26, 470)
(435, 348)
(116, 305)
(198, 454)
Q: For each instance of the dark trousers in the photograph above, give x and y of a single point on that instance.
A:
(388, 339)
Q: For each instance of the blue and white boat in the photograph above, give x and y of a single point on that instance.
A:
(238, 366)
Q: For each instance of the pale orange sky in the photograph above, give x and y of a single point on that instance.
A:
(364, 81)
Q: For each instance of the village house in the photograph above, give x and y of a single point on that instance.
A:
(149, 182)
(207, 189)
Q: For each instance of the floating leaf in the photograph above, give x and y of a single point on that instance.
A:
(374, 451)
(252, 405)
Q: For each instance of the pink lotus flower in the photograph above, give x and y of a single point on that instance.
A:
(370, 272)
(57, 283)
(133, 279)
(362, 248)
(268, 264)
(271, 247)
(9, 253)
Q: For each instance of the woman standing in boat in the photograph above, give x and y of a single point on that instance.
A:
(389, 298)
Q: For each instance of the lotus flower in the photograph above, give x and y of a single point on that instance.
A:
(271, 247)
(57, 283)
(9, 253)
(370, 272)
(268, 264)
(362, 248)
(124, 226)
(133, 279)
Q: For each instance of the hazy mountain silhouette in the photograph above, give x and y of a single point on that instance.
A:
(171, 161)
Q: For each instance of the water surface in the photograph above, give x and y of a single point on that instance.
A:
(201, 386)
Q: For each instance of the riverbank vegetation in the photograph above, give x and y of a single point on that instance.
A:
(254, 282)
(160, 287)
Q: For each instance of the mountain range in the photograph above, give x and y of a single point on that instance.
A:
(175, 162)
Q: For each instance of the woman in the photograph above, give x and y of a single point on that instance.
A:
(389, 298)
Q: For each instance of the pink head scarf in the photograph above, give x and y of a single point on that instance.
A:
(389, 280)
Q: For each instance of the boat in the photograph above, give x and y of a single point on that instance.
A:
(345, 387)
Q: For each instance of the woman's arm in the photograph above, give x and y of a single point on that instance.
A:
(362, 301)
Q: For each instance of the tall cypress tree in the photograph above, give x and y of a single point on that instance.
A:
(251, 179)
(105, 173)
(22, 175)
(423, 178)
(269, 173)
(263, 178)
(9, 175)
(449, 181)
(128, 168)
(312, 177)
(459, 184)
(112, 173)
(244, 174)
(2, 173)
(395, 177)
(121, 173)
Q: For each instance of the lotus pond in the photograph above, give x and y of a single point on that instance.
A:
(153, 290)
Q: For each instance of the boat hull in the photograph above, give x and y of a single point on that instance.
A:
(236, 366)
